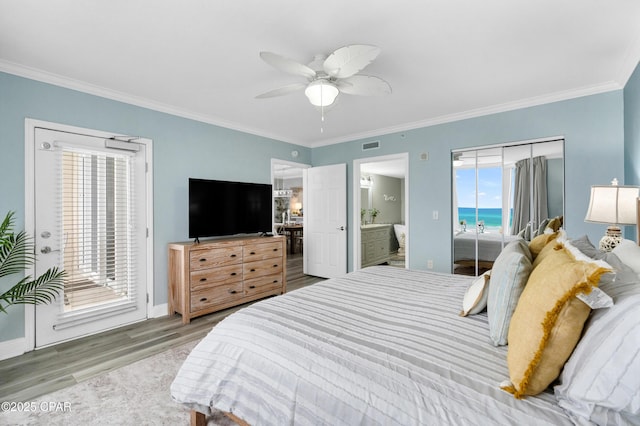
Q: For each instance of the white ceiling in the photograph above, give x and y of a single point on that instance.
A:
(390, 168)
(445, 60)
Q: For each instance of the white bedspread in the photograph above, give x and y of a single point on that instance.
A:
(379, 346)
(489, 245)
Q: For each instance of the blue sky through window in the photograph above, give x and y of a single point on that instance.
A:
(489, 187)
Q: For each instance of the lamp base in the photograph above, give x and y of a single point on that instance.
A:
(612, 238)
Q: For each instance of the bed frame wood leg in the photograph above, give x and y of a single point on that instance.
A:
(198, 418)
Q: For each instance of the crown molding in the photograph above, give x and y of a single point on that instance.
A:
(479, 112)
(629, 63)
(81, 86)
(91, 89)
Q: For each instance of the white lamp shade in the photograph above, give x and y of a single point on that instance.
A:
(321, 92)
(615, 205)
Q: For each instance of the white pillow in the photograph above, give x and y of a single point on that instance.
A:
(629, 254)
(600, 382)
(475, 298)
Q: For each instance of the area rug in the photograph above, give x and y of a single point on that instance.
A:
(137, 394)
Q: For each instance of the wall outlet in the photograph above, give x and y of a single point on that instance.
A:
(430, 264)
(435, 215)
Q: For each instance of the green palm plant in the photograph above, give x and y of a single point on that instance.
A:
(17, 254)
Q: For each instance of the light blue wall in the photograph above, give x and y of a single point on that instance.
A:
(181, 148)
(594, 149)
(632, 136)
(632, 129)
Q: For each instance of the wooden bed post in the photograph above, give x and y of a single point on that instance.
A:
(198, 418)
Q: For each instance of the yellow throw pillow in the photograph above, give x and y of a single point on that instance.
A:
(555, 223)
(538, 243)
(548, 319)
(550, 247)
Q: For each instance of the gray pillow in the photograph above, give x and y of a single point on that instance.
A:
(586, 247)
(621, 282)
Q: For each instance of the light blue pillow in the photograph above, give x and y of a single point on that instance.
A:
(508, 278)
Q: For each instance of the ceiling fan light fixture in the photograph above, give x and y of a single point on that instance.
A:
(321, 93)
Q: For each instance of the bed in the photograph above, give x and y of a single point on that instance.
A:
(387, 345)
(489, 247)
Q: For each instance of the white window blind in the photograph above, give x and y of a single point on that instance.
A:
(97, 219)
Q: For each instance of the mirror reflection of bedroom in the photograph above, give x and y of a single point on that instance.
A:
(502, 193)
(382, 213)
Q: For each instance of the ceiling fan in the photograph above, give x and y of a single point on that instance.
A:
(328, 76)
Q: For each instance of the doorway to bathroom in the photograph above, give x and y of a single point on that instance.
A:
(380, 211)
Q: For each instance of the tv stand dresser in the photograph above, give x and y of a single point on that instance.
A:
(217, 274)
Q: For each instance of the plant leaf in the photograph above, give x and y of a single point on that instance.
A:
(16, 254)
(43, 289)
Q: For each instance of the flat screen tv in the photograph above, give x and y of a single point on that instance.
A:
(218, 208)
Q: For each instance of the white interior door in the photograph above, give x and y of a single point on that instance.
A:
(90, 220)
(325, 216)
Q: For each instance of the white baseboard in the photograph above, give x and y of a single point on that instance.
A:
(11, 348)
(158, 311)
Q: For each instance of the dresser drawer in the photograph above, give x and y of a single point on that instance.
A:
(262, 251)
(205, 297)
(263, 284)
(380, 234)
(222, 275)
(219, 256)
(261, 268)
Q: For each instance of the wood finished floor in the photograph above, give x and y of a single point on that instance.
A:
(40, 372)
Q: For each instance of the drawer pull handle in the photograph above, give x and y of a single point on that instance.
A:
(275, 281)
(252, 286)
(233, 274)
(232, 291)
(275, 266)
(252, 270)
(253, 252)
(202, 280)
(204, 299)
(233, 255)
(275, 249)
(203, 260)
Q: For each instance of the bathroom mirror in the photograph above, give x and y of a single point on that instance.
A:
(501, 193)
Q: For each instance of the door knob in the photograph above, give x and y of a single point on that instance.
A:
(340, 228)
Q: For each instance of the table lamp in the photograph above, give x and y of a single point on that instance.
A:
(614, 205)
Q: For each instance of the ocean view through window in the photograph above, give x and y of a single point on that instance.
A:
(492, 218)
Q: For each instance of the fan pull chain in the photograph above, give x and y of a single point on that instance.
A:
(321, 108)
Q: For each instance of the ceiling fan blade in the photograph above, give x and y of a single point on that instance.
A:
(287, 65)
(364, 85)
(350, 60)
(284, 90)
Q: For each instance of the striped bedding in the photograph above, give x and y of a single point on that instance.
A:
(381, 345)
